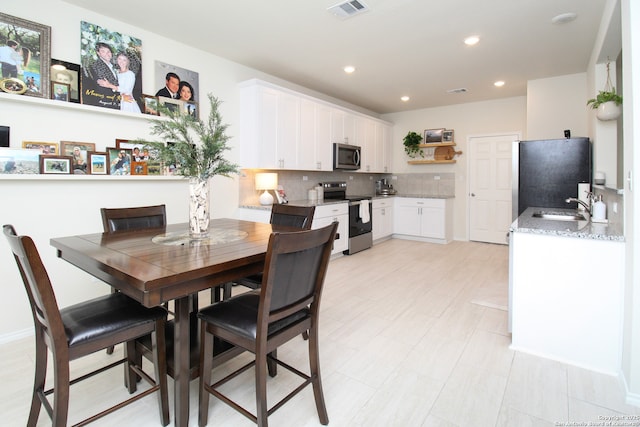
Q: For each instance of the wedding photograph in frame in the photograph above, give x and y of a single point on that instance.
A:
(432, 136)
(79, 153)
(66, 72)
(44, 147)
(32, 43)
(97, 163)
(52, 164)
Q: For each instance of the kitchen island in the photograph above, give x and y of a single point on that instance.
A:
(566, 290)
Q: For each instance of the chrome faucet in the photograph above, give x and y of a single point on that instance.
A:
(586, 206)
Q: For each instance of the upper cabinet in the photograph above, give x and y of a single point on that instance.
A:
(282, 129)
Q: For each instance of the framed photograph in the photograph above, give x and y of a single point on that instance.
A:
(31, 43)
(178, 77)
(60, 91)
(138, 168)
(79, 153)
(447, 135)
(433, 136)
(66, 72)
(97, 163)
(55, 164)
(13, 85)
(119, 161)
(173, 105)
(190, 108)
(19, 161)
(44, 147)
(150, 104)
(102, 49)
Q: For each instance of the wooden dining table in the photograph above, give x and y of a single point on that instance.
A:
(160, 265)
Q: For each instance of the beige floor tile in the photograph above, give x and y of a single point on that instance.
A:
(599, 389)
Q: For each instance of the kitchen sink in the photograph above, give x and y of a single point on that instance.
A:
(559, 216)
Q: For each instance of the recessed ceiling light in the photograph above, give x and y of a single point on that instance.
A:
(471, 40)
(405, 98)
(349, 69)
(564, 18)
(499, 83)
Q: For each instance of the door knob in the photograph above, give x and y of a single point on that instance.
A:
(473, 194)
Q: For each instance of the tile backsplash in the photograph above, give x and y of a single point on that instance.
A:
(297, 183)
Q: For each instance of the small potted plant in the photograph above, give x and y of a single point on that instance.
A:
(412, 145)
(607, 102)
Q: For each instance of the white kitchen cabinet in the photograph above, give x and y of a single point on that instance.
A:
(567, 299)
(382, 218)
(283, 129)
(326, 214)
(423, 219)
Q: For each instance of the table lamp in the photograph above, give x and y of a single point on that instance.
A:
(266, 182)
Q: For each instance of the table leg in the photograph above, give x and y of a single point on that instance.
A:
(181, 361)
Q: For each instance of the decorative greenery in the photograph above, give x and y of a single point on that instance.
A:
(196, 147)
(412, 145)
(604, 96)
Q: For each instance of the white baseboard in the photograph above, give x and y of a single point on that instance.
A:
(15, 336)
(632, 399)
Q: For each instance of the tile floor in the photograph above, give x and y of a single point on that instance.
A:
(412, 334)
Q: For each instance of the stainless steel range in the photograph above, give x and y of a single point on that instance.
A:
(360, 215)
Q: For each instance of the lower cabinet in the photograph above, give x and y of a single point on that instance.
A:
(382, 218)
(424, 219)
(326, 214)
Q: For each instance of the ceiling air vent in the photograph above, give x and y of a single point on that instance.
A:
(459, 90)
(348, 9)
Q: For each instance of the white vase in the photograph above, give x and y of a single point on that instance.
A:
(608, 111)
(198, 208)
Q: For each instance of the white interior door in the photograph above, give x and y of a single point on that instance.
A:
(490, 187)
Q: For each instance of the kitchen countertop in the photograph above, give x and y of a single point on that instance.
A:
(304, 202)
(526, 223)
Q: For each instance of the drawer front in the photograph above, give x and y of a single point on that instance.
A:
(331, 210)
(420, 202)
(382, 203)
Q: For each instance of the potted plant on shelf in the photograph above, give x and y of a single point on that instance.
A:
(196, 149)
(607, 102)
(412, 144)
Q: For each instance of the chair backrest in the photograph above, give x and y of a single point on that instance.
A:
(295, 268)
(44, 307)
(137, 218)
(292, 216)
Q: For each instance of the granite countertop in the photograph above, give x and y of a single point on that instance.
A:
(526, 223)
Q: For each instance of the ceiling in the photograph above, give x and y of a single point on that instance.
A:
(399, 47)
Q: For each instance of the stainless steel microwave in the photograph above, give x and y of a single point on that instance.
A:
(346, 157)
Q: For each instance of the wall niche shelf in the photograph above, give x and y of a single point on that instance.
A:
(439, 158)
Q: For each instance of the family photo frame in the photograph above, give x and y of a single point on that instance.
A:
(31, 43)
(19, 160)
(66, 72)
(44, 147)
(52, 164)
(97, 163)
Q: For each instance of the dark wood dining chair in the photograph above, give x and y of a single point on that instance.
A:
(81, 329)
(286, 305)
(135, 218)
(299, 217)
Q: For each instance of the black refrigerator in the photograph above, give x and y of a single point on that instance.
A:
(546, 172)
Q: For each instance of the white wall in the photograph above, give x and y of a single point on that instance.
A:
(472, 119)
(555, 104)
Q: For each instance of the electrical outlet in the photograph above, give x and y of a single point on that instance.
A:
(437, 177)
(305, 178)
(350, 178)
(615, 207)
(394, 178)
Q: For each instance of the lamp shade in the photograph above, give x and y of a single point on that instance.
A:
(266, 182)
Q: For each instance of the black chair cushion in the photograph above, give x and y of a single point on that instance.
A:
(136, 223)
(240, 315)
(100, 317)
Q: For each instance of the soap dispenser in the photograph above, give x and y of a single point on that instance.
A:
(599, 210)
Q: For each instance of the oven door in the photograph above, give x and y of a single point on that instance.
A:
(357, 224)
